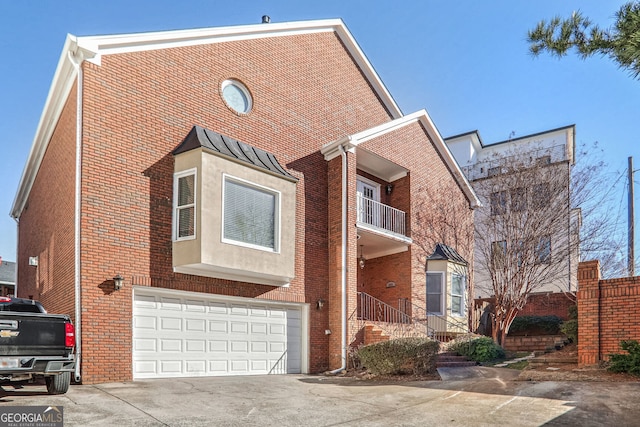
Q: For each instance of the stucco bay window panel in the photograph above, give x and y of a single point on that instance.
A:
(245, 221)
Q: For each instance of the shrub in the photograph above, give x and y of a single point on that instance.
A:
(480, 349)
(546, 325)
(413, 355)
(570, 327)
(629, 362)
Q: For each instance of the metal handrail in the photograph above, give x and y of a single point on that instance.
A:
(420, 313)
(492, 166)
(379, 215)
(392, 321)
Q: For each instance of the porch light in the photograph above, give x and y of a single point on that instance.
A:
(389, 188)
(118, 282)
(361, 259)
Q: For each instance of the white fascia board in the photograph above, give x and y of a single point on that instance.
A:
(61, 85)
(92, 48)
(331, 150)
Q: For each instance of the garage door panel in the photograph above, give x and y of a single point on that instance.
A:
(145, 322)
(218, 326)
(167, 345)
(239, 366)
(239, 310)
(258, 311)
(275, 329)
(239, 327)
(195, 325)
(170, 304)
(218, 346)
(145, 345)
(196, 306)
(198, 335)
(170, 324)
(239, 347)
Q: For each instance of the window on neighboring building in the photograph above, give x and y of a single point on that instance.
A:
(250, 214)
(498, 203)
(544, 160)
(494, 171)
(498, 251)
(543, 250)
(435, 300)
(519, 199)
(540, 195)
(185, 205)
(457, 294)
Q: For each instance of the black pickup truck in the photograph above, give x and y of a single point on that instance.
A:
(34, 344)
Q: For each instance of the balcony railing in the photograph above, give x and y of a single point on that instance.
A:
(380, 216)
(498, 164)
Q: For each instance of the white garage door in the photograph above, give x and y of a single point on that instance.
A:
(185, 334)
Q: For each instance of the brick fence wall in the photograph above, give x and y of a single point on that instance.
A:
(607, 313)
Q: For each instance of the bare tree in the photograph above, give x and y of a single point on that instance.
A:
(537, 215)
(444, 219)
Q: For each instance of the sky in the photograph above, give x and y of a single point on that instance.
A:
(466, 62)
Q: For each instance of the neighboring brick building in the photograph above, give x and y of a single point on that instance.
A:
(233, 177)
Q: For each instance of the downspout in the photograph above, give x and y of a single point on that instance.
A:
(343, 268)
(15, 284)
(78, 312)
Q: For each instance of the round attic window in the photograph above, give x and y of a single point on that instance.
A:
(236, 96)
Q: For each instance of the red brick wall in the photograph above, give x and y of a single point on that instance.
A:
(412, 148)
(138, 107)
(549, 304)
(608, 312)
(46, 227)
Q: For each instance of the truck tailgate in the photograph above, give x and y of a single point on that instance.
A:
(32, 334)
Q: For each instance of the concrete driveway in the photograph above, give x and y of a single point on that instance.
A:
(475, 396)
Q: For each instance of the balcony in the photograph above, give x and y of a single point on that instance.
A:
(498, 164)
(381, 228)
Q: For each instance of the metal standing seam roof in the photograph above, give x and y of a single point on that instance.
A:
(444, 252)
(235, 150)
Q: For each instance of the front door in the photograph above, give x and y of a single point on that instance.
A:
(370, 192)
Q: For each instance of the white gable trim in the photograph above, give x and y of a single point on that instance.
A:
(92, 48)
(349, 143)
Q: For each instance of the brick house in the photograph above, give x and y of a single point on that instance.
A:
(201, 201)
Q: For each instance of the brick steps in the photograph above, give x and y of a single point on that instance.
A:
(453, 360)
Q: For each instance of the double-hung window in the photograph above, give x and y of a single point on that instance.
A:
(457, 294)
(543, 250)
(435, 296)
(184, 185)
(499, 203)
(251, 215)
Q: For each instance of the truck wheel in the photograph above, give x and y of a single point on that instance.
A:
(58, 384)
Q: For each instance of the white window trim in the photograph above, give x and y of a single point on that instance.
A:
(463, 304)
(278, 219)
(176, 225)
(443, 293)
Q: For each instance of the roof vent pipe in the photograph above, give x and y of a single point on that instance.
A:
(266, 19)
